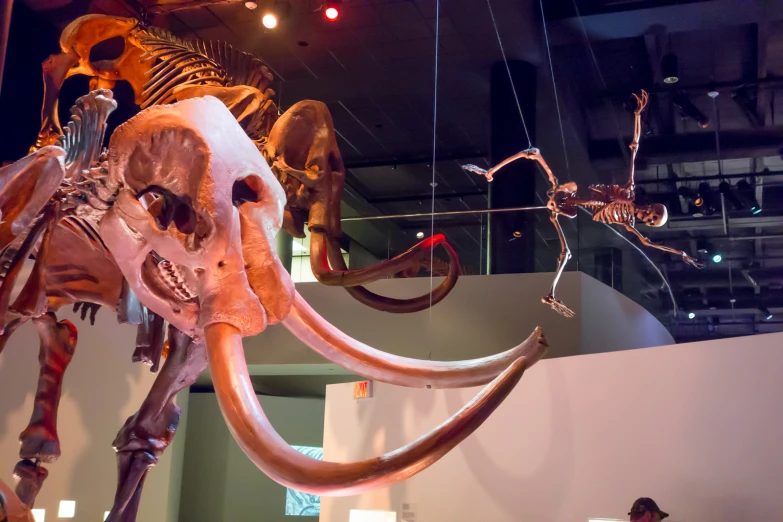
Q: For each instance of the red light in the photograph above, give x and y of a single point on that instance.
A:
(332, 13)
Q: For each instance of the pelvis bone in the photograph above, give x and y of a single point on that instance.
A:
(193, 230)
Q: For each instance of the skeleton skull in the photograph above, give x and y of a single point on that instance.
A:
(654, 215)
(193, 229)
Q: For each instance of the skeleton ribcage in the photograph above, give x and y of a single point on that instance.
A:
(613, 204)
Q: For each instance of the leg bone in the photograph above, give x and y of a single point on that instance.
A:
(146, 435)
(58, 343)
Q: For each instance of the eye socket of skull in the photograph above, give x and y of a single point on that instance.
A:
(655, 215)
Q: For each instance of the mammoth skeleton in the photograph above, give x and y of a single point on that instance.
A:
(300, 145)
(178, 220)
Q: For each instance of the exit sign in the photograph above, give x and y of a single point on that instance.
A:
(362, 390)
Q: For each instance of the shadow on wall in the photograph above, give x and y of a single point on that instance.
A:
(551, 467)
(101, 389)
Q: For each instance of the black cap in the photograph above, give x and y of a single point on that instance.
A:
(643, 505)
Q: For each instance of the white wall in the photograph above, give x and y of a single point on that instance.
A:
(220, 484)
(483, 315)
(101, 389)
(695, 426)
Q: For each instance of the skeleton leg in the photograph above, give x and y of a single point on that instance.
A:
(145, 435)
(646, 242)
(565, 255)
(58, 343)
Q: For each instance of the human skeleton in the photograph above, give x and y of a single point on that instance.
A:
(609, 204)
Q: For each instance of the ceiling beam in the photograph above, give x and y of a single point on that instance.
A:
(698, 16)
(696, 146)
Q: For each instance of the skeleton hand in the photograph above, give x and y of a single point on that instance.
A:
(691, 261)
(558, 306)
(478, 170)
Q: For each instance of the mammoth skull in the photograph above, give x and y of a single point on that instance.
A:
(193, 230)
(194, 227)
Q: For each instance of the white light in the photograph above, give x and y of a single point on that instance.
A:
(691, 315)
(39, 515)
(419, 235)
(269, 20)
(299, 247)
(106, 514)
(67, 509)
(362, 515)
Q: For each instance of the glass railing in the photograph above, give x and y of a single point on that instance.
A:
(605, 253)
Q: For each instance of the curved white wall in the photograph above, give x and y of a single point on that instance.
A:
(695, 426)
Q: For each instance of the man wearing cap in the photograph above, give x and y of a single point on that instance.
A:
(646, 510)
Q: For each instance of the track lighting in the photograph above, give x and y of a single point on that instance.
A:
(707, 196)
(747, 192)
(765, 312)
(332, 9)
(729, 196)
(686, 107)
(419, 235)
(669, 68)
(690, 195)
(705, 248)
(691, 315)
(747, 103)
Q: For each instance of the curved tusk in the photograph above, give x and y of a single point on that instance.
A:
(318, 261)
(344, 277)
(258, 439)
(334, 345)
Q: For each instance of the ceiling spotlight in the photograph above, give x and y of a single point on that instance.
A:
(705, 193)
(746, 191)
(419, 235)
(269, 20)
(702, 246)
(717, 258)
(332, 10)
(690, 195)
(729, 196)
(691, 315)
(251, 5)
(765, 312)
(687, 108)
(669, 68)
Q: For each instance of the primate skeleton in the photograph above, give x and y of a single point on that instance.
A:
(610, 204)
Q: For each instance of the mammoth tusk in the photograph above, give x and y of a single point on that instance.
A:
(262, 444)
(318, 260)
(364, 360)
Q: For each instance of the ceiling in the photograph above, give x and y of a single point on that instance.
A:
(375, 69)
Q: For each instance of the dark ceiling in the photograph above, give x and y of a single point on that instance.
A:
(374, 68)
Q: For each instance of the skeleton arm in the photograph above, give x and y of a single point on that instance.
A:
(641, 103)
(646, 242)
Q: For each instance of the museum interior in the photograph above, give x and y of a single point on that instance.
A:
(391, 260)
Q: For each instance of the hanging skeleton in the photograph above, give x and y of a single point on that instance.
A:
(609, 204)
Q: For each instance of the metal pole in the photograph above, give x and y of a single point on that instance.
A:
(5, 27)
(438, 214)
(285, 249)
